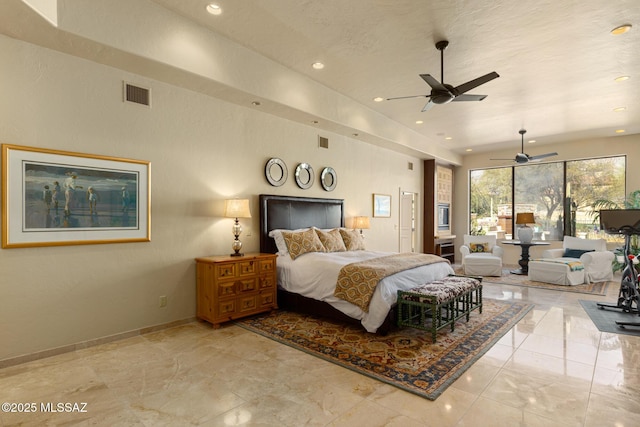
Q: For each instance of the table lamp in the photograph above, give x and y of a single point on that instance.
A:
(237, 208)
(525, 233)
(361, 222)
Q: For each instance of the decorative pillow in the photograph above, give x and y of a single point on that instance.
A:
(575, 253)
(479, 247)
(302, 242)
(279, 239)
(331, 240)
(352, 240)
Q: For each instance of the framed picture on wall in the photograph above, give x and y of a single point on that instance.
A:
(55, 198)
(382, 205)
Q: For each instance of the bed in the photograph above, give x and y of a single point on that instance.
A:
(306, 283)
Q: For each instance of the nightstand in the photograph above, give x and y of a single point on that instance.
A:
(230, 288)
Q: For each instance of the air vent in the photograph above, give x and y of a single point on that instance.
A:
(323, 142)
(137, 94)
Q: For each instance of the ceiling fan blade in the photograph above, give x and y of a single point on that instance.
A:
(435, 84)
(542, 156)
(503, 159)
(465, 87)
(410, 96)
(428, 106)
(465, 97)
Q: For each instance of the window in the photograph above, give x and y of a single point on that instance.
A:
(560, 194)
(539, 188)
(587, 182)
(491, 205)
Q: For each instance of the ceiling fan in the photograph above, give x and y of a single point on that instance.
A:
(442, 93)
(522, 157)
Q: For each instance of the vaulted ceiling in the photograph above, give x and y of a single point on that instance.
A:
(557, 61)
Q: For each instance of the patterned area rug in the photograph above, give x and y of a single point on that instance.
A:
(405, 358)
(599, 288)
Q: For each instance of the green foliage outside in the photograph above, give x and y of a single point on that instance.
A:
(631, 202)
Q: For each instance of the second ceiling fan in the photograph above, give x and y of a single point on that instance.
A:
(523, 157)
(442, 93)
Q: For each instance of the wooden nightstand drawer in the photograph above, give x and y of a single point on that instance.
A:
(226, 289)
(267, 282)
(227, 270)
(248, 303)
(267, 299)
(248, 268)
(225, 309)
(247, 285)
(229, 288)
(268, 266)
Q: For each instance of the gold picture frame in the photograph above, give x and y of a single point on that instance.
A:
(382, 205)
(55, 198)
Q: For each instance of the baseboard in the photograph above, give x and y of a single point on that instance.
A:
(12, 361)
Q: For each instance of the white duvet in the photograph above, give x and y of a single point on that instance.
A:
(314, 275)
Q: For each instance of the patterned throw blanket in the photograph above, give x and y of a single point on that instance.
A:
(357, 281)
(573, 264)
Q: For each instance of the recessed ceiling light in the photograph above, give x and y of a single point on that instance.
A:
(621, 29)
(622, 78)
(419, 122)
(469, 149)
(531, 141)
(378, 99)
(256, 103)
(214, 9)
(315, 122)
(317, 65)
(354, 134)
(619, 109)
(448, 138)
(619, 130)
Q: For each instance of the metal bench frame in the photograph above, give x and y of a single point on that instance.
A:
(430, 315)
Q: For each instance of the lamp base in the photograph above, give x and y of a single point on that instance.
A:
(525, 234)
(236, 254)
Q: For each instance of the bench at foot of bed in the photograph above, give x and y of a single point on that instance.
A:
(437, 304)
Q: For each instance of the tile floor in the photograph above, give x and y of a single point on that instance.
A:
(554, 368)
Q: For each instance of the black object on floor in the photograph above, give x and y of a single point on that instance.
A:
(605, 319)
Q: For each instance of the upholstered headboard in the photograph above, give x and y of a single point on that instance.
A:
(290, 213)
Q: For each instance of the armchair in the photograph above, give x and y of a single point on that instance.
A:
(591, 253)
(481, 256)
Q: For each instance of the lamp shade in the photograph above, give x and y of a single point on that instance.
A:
(361, 222)
(525, 218)
(237, 208)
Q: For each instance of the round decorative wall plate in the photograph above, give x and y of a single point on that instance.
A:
(328, 179)
(276, 171)
(304, 175)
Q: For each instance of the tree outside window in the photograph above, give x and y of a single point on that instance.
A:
(560, 194)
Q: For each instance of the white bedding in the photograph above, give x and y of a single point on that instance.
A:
(314, 275)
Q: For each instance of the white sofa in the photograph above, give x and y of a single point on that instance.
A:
(554, 266)
(485, 263)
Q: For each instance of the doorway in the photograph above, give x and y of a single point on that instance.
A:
(408, 203)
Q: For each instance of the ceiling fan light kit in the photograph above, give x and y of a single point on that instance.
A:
(522, 157)
(442, 93)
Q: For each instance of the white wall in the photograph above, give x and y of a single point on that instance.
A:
(201, 150)
(582, 149)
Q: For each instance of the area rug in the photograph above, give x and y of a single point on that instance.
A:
(605, 320)
(406, 358)
(599, 288)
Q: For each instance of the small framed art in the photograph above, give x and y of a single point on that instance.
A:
(382, 205)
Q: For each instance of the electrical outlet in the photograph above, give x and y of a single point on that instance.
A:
(163, 300)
